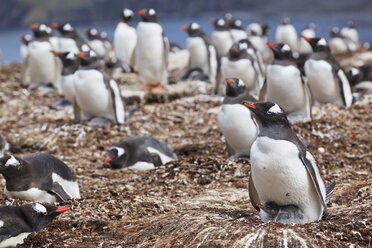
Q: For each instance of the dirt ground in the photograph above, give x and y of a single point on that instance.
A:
(200, 200)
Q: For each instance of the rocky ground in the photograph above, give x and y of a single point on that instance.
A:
(200, 200)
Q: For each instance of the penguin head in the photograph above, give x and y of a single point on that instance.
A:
(148, 15)
(193, 30)
(10, 166)
(317, 44)
(239, 49)
(92, 34)
(41, 30)
(117, 157)
(286, 21)
(271, 208)
(234, 87)
(354, 75)
(235, 24)
(351, 24)
(25, 39)
(69, 59)
(267, 112)
(87, 58)
(39, 215)
(281, 51)
(126, 15)
(64, 29)
(220, 24)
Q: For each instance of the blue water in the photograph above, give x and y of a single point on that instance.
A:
(9, 43)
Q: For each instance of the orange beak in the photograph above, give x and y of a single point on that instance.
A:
(259, 206)
(270, 45)
(80, 55)
(141, 12)
(235, 49)
(307, 39)
(210, 20)
(251, 106)
(228, 81)
(62, 209)
(54, 25)
(55, 53)
(108, 160)
(32, 27)
(183, 27)
(85, 31)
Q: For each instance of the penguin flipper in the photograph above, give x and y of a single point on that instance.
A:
(310, 169)
(253, 195)
(329, 191)
(308, 98)
(59, 191)
(230, 150)
(262, 96)
(77, 111)
(155, 159)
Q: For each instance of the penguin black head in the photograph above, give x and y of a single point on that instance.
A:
(10, 166)
(69, 60)
(41, 31)
(148, 15)
(87, 58)
(235, 24)
(64, 29)
(117, 157)
(220, 24)
(267, 112)
(193, 30)
(351, 24)
(354, 75)
(39, 215)
(92, 34)
(281, 51)
(25, 39)
(126, 15)
(286, 21)
(317, 44)
(238, 49)
(334, 32)
(234, 87)
(271, 208)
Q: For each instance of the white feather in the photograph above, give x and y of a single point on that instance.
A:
(32, 194)
(14, 241)
(39, 208)
(70, 187)
(119, 105)
(12, 161)
(164, 158)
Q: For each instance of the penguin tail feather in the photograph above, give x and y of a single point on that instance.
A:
(329, 191)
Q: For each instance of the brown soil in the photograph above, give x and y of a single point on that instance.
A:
(200, 200)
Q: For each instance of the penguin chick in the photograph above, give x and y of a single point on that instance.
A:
(283, 214)
(19, 222)
(139, 153)
(38, 177)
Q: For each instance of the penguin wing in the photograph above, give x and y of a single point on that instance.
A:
(12, 227)
(253, 195)
(308, 98)
(263, 93)
(310, 166)
(117, 102)
(59, 191)
(166, 50)
(345, 88)
(329, 191)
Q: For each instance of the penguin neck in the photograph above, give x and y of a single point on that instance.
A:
(70, 69)
(276, 130)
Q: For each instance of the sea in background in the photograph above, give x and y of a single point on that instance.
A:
(9, 42)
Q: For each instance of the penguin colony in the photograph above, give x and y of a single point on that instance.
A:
(285, 184)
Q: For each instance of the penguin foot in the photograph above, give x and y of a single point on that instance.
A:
(153, 88)
(100, 121)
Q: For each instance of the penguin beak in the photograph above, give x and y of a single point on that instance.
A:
(20, 37)
(183, 27)
(235, 49)
(63, 209)
(55, 53)
(249, 105)
(85, 31)
(270, 45)
(228, 81)
(229, 21)
(141, 12)
(108, 160)
(80, 55)
(54, 25)
(307, 39)
(260, 206)
(210, 20)
(32, 27)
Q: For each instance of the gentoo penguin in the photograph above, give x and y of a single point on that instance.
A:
(337, 42)
(361, 77)
(114, 66)
(350, 32)
(139, 153)
(96, 95)
(236, 29)
(38, 177)
(25, 39)
(40, 66)
(243, 65)
(222, 39)
(125, 39)
(97, 43)
(304, 47)
(70, 41)
(283, 171)
(70, 65)
(326, 78)
(283, 214)
(6, 146)
(257, 35)
(284, 74)
(237, 123)
(151, 52)
(19, 222)
(286, 33)
(202, 52)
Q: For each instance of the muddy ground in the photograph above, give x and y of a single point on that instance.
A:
(200, 200)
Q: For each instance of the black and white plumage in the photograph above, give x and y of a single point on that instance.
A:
(70, 40)
(304, 47)
(23, 50)
(6, 146)
(151, 52)
(96, 95)
(283, 214)
(16, 223)
(237, 123)
(283, 74)
(351, 33)
(326, 78)
(98, 42)
(361, 77)
(286, 33)
(236, 29)
(338, 43)
(222, 39)
(139, 153)
(38, 177)
(202, 52)
(283, 171)
(257, 36)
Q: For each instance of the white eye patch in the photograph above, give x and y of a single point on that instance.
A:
(243, 46)
(241, 83)
(103, 34)
(92, 54)
(275, 110)
(93, 31)
(238, 23)
(12, 162)
(28, 37)
(354, 71)
(39, 208)
(43, 27)
(322, 42)
(84, 48)
(285, 48)
(67, 27)
(127, 12)
(221, 22)
(120, 150)
(70, 56)
(194, 26)
(152, 12)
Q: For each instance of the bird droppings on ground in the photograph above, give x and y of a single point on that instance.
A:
(199, 200)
